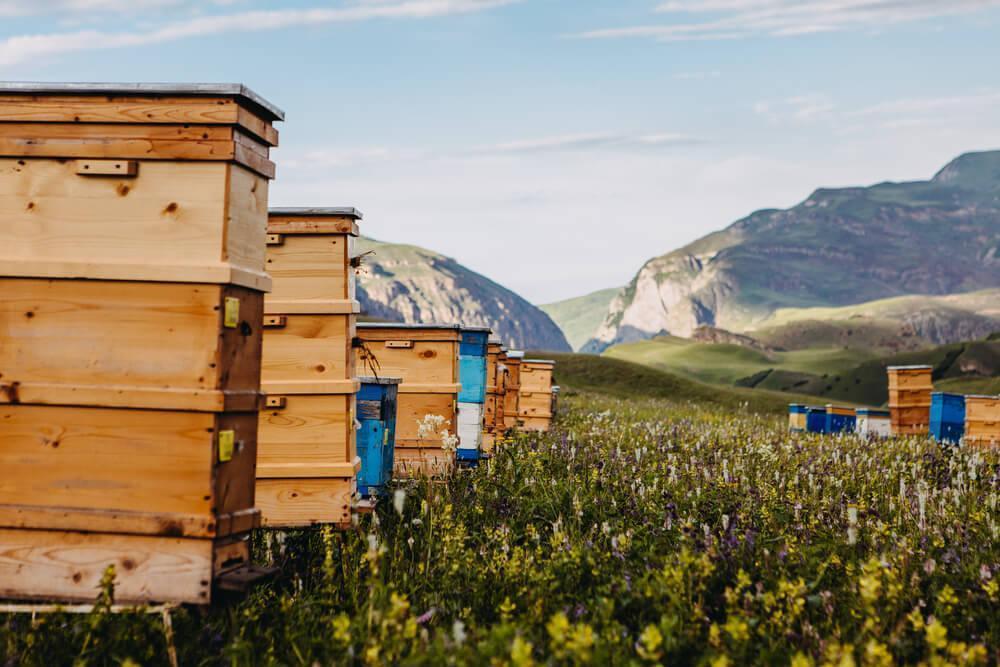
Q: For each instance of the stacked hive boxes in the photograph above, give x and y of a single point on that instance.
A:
(982, 421)
(472, 353)
(425, 358)
(377, 434)
(947, 417)
(308, 463)
(494, 386)
(133, 220)
(840, 419)
(535, 403)
(512, 396)
(910, 390)
(874, 423)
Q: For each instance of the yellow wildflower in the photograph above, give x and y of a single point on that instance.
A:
(936, 634)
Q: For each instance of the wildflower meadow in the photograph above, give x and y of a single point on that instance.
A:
(636, 532)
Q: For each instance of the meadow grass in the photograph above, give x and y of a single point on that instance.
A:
(640, 531)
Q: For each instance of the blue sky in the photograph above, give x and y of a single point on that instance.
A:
(554, 145)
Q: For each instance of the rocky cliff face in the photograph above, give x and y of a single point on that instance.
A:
(839, 247)
(409, 284)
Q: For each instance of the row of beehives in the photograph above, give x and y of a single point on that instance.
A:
(155, 406)
(914, 409)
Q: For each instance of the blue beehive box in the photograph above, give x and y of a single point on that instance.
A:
(947, 417)
(840, 420)
(816, 420)
(377, 434)
(472, 351)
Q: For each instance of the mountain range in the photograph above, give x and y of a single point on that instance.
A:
(405, 283)
(839, 247)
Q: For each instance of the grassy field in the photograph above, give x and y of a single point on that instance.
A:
(640, 531)
(831, 373)
(727, 364)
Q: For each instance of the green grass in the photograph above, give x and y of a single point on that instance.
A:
(624, 379)
(728, 364)
(825, 374)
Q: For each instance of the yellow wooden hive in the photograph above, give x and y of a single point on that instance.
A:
(494, 381)
(425, 358)
(133, 219)
(535, 402)
(982, 421)
(512, 396)
(910, 389)
(307, 460)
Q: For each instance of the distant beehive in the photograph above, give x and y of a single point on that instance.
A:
(377, 435)
(947, 417)
(816, 420)
(556, 390)
(840, 419)
(493, 408)
(982, 421)
(910, 390)
(797, 417)
(425, 358)
(535, 402)
(874, 423)
(512, 397)
(472, 363)
(307, 460)
(133, 219)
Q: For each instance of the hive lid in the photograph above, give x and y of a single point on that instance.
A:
(910, 368)
(987, 396)
(477, 329)
(370, 379)
(947, 393)
(540, 361)
(406, 325)
(515, 354)
(248, 97)
(317, 211)
(877, 412)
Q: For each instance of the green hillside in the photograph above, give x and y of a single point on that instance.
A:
(835, 374)
(580, 317)
(615, 377)
(729, 364)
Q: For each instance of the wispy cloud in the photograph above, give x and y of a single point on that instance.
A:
(24, 48)
(594, 141)
(622, 143)
(736, 19)
(798, 108)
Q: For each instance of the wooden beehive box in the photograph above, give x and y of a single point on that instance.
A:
(425, 358)
(307, 454)
(133, 220)
(494, 381)
(982, 421)
(910, 390)
(512, 396)
(535, 403)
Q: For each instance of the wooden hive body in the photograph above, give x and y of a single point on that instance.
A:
(494, 382)
(425, 358)
(535, 402)
(910, 389)
(982, 421)
(512, 396)
(308, 462)
(130, 305)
